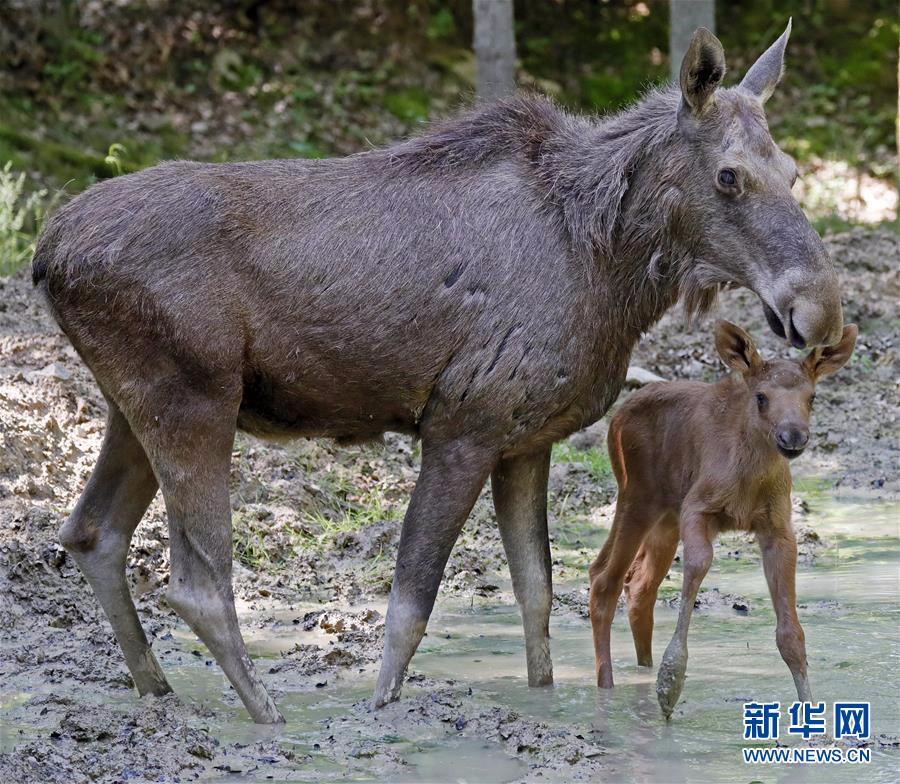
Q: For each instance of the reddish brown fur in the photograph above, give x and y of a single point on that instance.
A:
(692, 459)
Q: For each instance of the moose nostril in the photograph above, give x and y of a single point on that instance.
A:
(774, 320)
(792, 438)
(797, 339)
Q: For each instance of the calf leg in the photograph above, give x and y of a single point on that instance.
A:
(697, 534)
(98, 533)
(520, 499)
(642, 583)
(451, 477)
(779, 553)
(607, 575)
(190, 449)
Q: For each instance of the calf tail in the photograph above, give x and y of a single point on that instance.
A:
(39, 266)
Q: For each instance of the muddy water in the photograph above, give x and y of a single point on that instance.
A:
(850, 609)
(849, 597)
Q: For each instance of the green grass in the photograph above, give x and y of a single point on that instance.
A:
(595, 459)
(324, 526)
(21, 218)
(832, 224)
(249, 542)
(259, 544)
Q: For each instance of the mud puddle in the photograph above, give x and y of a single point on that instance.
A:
(848, 606)
(467, 715)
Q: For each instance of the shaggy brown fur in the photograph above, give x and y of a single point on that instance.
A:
(694, 459)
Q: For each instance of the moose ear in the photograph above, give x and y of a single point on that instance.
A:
(830, 359)
(766, 72)
(702, 70)
(736, 347)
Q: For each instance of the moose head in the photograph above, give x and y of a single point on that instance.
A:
(747, 227)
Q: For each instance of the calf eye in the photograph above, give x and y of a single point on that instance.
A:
(761, 401)
(812, 400)
(727, 177)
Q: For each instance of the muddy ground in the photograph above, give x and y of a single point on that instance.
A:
(316, 529)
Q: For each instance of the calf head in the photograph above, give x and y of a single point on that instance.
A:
(745, 226)
(779, 393)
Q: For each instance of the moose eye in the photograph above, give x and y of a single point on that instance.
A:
(812, 400)
(728, 178)
(761, 401)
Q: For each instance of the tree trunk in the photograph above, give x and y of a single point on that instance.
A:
(686, 16)
(495, 48)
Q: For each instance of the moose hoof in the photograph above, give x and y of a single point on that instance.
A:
(266, 712)
(148, 676)
(379, 701)
(540, 679)
(154, 689)
(385, 696)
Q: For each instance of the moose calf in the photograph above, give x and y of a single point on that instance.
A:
(692, 459)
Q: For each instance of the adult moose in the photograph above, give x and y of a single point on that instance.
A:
(481, 286)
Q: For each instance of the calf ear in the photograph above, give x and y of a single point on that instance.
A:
(702, 70)
(736, 348)
(766, 72)
(830, 359)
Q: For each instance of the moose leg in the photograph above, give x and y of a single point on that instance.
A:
(98, 533)
(520, 499)
(642, 583)
(779, 554)
(697, 534)
(607, 575)
(191, 453)
(450, 479)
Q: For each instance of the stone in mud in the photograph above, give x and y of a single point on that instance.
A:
(340, 657)
(638, 377)
(575, 601)
(54, 370)
(302, 659)
(201, 750)
(592, 436)
(809, 544)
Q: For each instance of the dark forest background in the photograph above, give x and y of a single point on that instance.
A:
(94, 88)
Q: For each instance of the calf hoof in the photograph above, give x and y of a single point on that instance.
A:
(670, 680)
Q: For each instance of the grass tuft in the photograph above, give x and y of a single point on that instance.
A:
(21, 218)
(595, 459)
